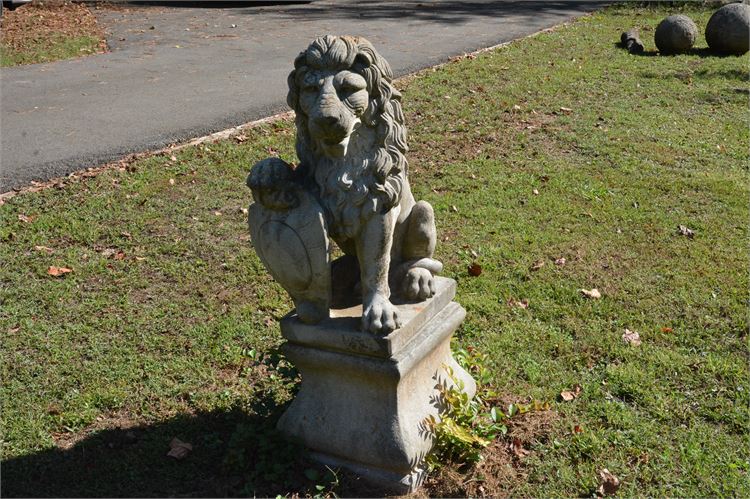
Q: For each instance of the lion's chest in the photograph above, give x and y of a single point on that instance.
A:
(347, 193)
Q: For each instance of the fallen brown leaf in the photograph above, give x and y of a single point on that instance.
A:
(26, 219)
(666, 330)
(631, 337)
(684, 231)
(568, 395)
(566, 109)
(592, 293)
(537, 265)
(119, 255)
(516, 447)
(179, 449)
(475, 270)
(44, 249)
(608, 483)
(512, 302)
(58, 271)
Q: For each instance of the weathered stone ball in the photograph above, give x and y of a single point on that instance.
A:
(675, 34)
(728, 30)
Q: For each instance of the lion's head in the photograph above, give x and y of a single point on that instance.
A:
(349, 115)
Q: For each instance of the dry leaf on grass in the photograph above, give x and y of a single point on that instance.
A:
(631, 337)
(179, 449)
(58, 271)
(475, 270)
(561, 261)
(44, 249)
(568, 395)
(537, 265)
(520, 304)
(684, 231)
(608, 483)
(26, 219)
(592, 293)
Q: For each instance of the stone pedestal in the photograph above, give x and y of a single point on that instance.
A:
(364, 398)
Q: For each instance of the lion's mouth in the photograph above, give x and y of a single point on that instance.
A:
(337, 147)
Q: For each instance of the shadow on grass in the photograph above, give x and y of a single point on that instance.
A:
(233, 454)
(700, 52)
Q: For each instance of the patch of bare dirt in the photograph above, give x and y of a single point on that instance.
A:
(118, 420)
(47, 20)
(503, 464)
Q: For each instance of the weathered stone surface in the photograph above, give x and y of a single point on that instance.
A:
(352, 178)
(288, 231)
(364, 399)
(631, 41)
(728, 30)
(372, 372)
(675, 34)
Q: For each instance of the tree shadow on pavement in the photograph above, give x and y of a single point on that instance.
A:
(444, 12)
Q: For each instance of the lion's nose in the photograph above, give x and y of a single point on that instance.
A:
(329, 120)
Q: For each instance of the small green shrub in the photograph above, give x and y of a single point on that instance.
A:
(466, 425)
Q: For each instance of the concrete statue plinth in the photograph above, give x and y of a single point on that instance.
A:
(364, 398)
(370, 373)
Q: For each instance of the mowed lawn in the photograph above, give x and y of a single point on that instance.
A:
(559, 146)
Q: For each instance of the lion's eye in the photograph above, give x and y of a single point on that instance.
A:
(350, 87)
(310, 88)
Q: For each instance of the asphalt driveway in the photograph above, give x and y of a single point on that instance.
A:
(179, 71)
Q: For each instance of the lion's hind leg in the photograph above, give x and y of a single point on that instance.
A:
(421, 235)
(416, 273)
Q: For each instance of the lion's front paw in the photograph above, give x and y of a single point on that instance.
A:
(379, 315)
(419, 284)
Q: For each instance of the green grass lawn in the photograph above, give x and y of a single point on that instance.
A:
(48, 50)
(557, 146)
(48, 30)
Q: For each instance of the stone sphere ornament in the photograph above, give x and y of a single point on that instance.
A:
(728, 30)
(675, 34)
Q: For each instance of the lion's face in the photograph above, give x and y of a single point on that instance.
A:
(333, 101)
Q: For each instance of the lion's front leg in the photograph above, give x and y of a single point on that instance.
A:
(374, 254)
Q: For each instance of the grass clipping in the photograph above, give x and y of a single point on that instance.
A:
(49, 31)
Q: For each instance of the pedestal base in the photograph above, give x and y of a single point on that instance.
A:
(364, 399)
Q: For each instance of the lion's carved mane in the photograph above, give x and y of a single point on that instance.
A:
(372, 177)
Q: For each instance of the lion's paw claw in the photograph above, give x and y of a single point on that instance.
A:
(380, 316)
(419, 284)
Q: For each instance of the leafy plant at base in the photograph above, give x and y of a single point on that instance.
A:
(465, 425)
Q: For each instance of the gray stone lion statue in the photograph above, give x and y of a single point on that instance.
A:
(350, 185)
